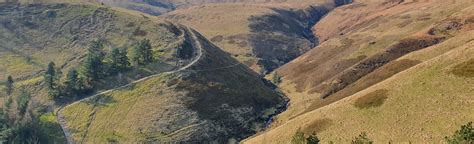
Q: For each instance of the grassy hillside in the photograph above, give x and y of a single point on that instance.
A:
(263, 36)
(216, 100)
(407, 83)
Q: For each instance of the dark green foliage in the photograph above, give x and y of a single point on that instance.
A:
(142, 53)
(92, 67)
(298, 137)
(463, 136)
(51, 77)
(71, 83)
(276, 79)
(9, 85)
(96, 48)
(362, 139)
(22, 102)
(117, 61)
(312, 139)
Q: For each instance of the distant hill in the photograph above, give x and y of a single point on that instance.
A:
(396, 70)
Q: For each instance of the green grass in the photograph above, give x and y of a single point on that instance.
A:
(49, 126)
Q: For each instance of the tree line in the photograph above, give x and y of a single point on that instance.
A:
(96, 65)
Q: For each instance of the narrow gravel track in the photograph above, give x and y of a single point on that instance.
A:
(60, 117)
(197, 45)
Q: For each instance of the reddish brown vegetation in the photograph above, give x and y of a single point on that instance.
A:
(368, 65)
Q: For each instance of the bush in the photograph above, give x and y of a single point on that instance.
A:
(463, 136)
(362, 139)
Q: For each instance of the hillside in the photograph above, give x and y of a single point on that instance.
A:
(408, 83)
(263, 36)
(195, 77)
(216, 99)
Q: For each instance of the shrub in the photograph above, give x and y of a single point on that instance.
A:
(463, 136)
(362, 139)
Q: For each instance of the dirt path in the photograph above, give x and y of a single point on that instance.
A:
(60, 117)
(199, 53)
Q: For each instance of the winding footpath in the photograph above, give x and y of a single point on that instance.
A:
(198, 45)
(60, 117)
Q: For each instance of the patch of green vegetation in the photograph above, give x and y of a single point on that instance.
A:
(373, 99)
(362, 139)
(463, 136)
(50, 127)
(465, 69)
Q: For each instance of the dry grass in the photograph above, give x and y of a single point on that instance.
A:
(465, 69)
(425, 100)
(373, 99)
(425, 104)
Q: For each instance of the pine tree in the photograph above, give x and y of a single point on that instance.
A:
(22, 102)
(147, 51)
(91, 67)
(97, 48)
(71, 82)
(142, 53)
(51, 76)
(117, 61)
(9, 85)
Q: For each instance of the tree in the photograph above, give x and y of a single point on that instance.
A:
(50, 78)
(362, 139)
(147, 51)
(298, 137)
(312, 139)
(142, 53)
(97, 48)
(463, 136)
(117, 61)
(276, 79)
(50, 75)
(71, 82)
(9, 85)
(22, 102)
(91, 67)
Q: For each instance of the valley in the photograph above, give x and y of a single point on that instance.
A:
(278, 71)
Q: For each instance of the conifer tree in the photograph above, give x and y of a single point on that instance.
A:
(9, 85)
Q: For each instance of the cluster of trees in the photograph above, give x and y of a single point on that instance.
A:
(96, 65)
(17, 121)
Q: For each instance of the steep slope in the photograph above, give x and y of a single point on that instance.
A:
(263, 36)
(36, 34)
(397, 73)
(216, 99)
(357, 51)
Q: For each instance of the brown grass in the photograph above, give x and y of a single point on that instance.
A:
(378, 60)
(465, 69)
(373, 99)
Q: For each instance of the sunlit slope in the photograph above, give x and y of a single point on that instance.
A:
(216, 100)
(33, 35)
(361, 54)
(421, 104)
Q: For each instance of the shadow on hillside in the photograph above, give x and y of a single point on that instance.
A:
(278, 37)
